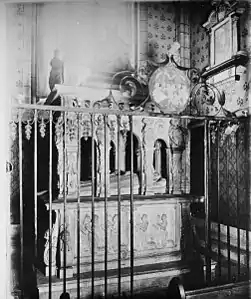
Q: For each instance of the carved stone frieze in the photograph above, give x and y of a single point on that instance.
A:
(156, 234)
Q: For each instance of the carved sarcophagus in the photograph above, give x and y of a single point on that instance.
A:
(154, 235)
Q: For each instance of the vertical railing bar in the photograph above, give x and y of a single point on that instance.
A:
(131, 208)
(207, 206)
(105, 202)
(247, 248)
(218, 200)
(35, 187)
(185, 170)
(228, 227)
(65, 193)
(141, 171)
(119, 207)
(93, 206)
(167, 170)
(21, 198)
(78, 206)
(138, 34)
(238, 212)
(247, 183)
(50, 203)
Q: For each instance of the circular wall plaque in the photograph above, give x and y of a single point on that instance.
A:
(169, 87)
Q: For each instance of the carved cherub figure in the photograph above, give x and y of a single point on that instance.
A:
(161, 233)
(141, 236)
(113, 233)
(86, 230)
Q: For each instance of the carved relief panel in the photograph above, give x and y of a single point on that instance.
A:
(156, 234)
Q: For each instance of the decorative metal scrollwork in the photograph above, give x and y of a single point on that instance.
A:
(28, 118)
(160, 88)
(43, 119)
(134, 91)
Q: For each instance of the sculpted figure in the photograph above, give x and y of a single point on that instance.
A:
(176, 135)
(57, 70)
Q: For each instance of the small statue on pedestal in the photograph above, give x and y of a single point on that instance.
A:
(177, 142)
(57, 70)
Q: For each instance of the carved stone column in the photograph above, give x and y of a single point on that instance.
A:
(140, 169)
(148, 138)
(72, 177)
(149, 171)
(157, 157)
(177, 146)
(122, 160)
(103, 177)
(100, 162)
(167, 170)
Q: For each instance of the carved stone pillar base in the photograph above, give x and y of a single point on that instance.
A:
(68, 272)
(156, 190)
(53, 271)
(149, 192)
(177, 192)
(102, 193)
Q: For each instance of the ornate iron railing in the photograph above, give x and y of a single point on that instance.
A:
(126, 150)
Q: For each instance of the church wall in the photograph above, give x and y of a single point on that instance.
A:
(199, 37)
(19, 26)
(236, 90)
(59, 26)
(160, 25)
